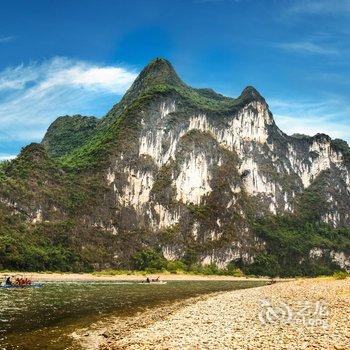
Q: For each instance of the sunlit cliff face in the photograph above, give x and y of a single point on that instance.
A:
(272, 173)
(248, 135)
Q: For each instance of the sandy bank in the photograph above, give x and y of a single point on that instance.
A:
(85, 277)
(301, 314)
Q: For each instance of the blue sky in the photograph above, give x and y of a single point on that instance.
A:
(65, 57)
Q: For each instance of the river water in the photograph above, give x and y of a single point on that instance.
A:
(43, 318)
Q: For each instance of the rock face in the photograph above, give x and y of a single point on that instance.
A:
(185, 169)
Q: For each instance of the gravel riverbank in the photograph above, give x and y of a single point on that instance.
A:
(301, 314)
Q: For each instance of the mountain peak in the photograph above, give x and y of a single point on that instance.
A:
(34, 153)
(159, 71)
(250, 93)
(159, 64)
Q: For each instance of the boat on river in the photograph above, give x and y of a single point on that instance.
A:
(13, 286)
(152, 281)
(19, 282)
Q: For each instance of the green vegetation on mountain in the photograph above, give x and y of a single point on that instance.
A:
(156, 80)
(31, 249)
(343, 147)
(67, 133)
(291, 239)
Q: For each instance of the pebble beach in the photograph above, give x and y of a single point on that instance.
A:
(300, 314)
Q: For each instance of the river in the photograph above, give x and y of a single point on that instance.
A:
(43, 318)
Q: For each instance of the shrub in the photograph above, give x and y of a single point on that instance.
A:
(264, 265)
(210, 269)
(234, 268)
(340, 275)
(175, 266)
(149, 260)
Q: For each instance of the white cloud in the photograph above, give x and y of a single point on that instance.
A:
(305, 117)
(33, 95)
(308, 48)
(63, 72)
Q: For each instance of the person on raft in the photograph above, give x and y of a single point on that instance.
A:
(23, 281)
(18, 281)
(148, 280)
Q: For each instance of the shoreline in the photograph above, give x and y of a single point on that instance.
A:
(90, 277)
(103, 333)
(231, 320)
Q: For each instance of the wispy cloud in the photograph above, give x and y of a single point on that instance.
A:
(33, 95)
(308, 47)
(60, 72)
(321, 7)
(329, 117)
(7, 39)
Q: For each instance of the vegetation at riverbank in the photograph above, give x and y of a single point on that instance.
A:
(207, 270)
(291, 239)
